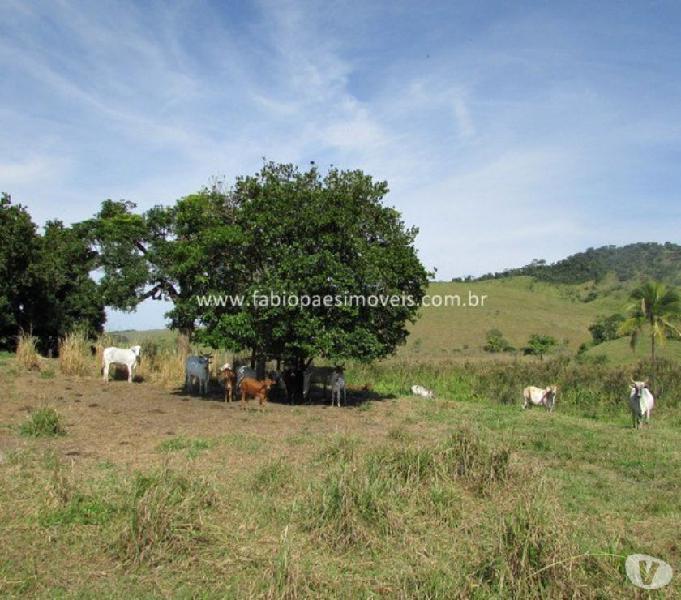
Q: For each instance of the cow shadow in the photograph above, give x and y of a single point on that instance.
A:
(120, 373)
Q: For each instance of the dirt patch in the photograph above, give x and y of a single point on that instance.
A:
(132, 420)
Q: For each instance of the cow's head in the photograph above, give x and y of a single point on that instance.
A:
(136, 350)
(638, 386)
(550, 395)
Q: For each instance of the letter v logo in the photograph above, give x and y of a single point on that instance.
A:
(648, 572)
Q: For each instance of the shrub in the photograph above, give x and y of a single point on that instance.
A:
(496, 342)
(43, 422)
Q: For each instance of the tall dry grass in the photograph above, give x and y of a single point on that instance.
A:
(27, 353)
(75, 356)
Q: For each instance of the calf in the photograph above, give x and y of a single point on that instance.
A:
(534, 396)
(253, 388)
(121, 356)
(228, 377)
(641, 402)
(196, 368)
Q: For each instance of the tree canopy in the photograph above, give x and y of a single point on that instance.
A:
(281, 232)
(45, 283)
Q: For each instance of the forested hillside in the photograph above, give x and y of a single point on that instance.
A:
(643, 260)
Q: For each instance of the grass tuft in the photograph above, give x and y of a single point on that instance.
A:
(164, 517)
(43, 422)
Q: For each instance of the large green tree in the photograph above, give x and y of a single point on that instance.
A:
(314, 236)
(45, 283)
(19, 248)
(282, 231)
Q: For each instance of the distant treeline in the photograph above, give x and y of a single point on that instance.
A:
(643, 260)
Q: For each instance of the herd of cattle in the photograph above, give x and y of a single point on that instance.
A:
(296, 383)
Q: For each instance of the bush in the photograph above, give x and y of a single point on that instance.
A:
(496, 342)
(605, 329)
(43, 422)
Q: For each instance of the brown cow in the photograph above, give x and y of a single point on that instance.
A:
(255, 389)
(228, 377)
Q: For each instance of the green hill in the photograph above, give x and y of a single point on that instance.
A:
(519, 307)
(643, 260)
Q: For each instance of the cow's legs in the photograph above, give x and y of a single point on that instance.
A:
(129, 373)
(106, 372)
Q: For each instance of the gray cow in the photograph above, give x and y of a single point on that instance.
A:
(338, 387)
(318, 375)
(196, 368)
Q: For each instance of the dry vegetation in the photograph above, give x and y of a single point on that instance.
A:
(27, 354)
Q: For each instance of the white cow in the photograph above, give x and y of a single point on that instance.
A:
(196, 368)
(121, 356)
(641, 402)
(424, 392)
(540, 397)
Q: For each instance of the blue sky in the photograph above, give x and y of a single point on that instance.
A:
(507, 130)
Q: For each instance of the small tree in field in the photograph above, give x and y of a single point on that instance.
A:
(539, 345)
(657, 306)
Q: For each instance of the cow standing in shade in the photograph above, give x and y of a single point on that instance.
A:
(197, 369)
(338, 387)
(252, 388)
(228, 377)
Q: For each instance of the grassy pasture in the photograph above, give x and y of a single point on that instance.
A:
(153, 493)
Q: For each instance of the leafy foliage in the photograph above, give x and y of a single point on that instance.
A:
(539, 345)
(496, 342)
(280, 232)
(605, 329)
(45, 284)
(659, 307)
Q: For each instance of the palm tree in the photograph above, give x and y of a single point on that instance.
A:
(658, 306)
